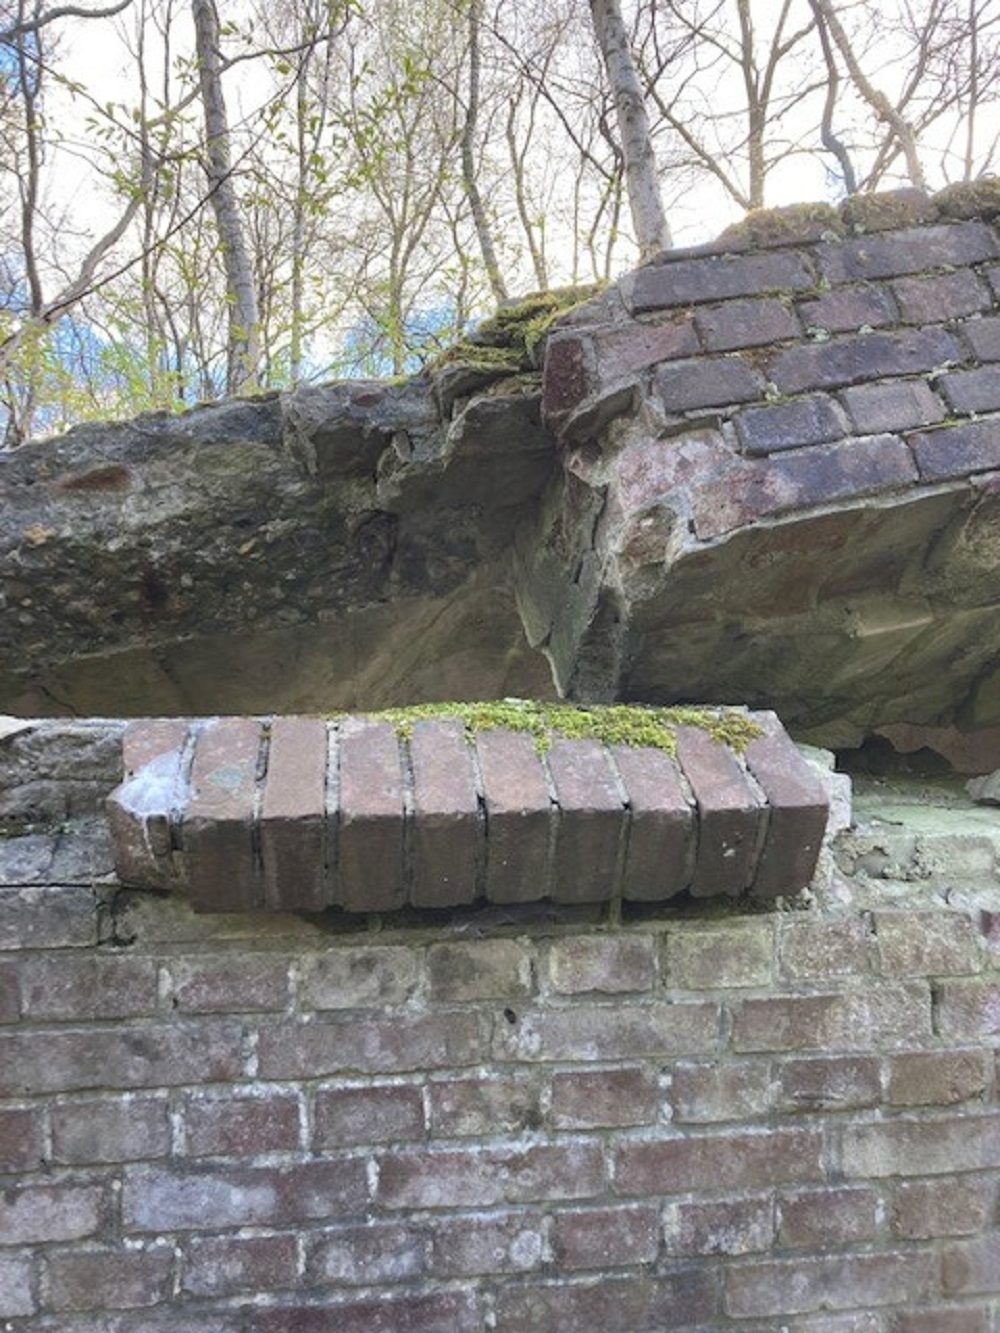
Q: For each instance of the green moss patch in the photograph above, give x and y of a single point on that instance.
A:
(612, 724)
(786, 225)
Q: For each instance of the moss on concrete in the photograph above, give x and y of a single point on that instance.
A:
(612, 724)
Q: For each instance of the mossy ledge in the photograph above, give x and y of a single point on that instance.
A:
(612, 724)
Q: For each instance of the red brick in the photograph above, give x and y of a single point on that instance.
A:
(518, 816)
(147, 738)
(370, 831)
(361, 977)
(225, 1265)
(972, 390)
(108, 1279)
(971, 1265)
(940, 296)
(565, 379)
(346, 1116)
(817, 1219)
(293, 818)
(716, 278)
(704, 1093)
(747, 323)
(661, 824)
(942, 1206)
(887, 1015)
(495, 969)
(596, 1032)
(606, 1237)
(483, 1106)
(957, 451)
(139, 817)
(621, 352)
(829, 1083)
(820, 950)
(367, 1255)
(729, 814)
(589, 824)
(968, 1010)
(941, 1320)
(47, 918)
(490, 1243)
(371, 1045)
(831, 1282)
(196, 1198)
(729, 1226)
(436, 1312)
(848, 308)
(16, 1297)
(448, 831)
(226, 1125)
(854, 358)
(717, 957)
(85, 987)
(159, 1054)
(217, 826)
(983, 335)
(708, 382)
(20, 1141)
(614, 1305)
(907, 251)
(936, 1078)
(767, 430)
(110, 1129)
(482, 1177)
(612, 964)
(224, 983)
(923, 1147)
(718, 1162)
(34, 1214)
(598, 1098)
(895, 406)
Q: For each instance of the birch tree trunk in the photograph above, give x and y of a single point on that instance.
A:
(479, 217)
(243, 351)
(642, 184)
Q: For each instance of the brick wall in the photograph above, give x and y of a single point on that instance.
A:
(259, 1122)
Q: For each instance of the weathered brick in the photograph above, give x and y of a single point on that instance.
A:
(926, 944)
(956, 451)
(829, 1083)
(217, 825)
(480, 970)
(811, 420)
(10, 996)
(596, 1032)
(447, 832)
(798, 809)
(897, 405)
(518, 816)
(820, 1218)
(887, 1015)
(47, 918)
(746, 323)
(847, 308)
(159, 1054)
(718, 1162)
(730, 1227)
(370, 828)
(361, 977)
(822, 950)
(226, 1125)
(707, 382)
(482, 1177)
(16, 1296)
(967, 1010)
(84, 987)
(936, 1078)
(717, 278)
(972, 390)
(139, 822)
(971, 1265)
(884, 256)
(490, 1243)
(346, 1116)
(817, 476)
(610, 963)
(622, 1305)
(366, 1255)
(506, 1105)
(733, 1090)
(108, 1279)
(222, 983)
(606, 1237)
(661, 824)
(589, 824)
(942, 1206)
(21, 1146)
(598, 1098)
(34, 1214)
(830, 1282)
(434, 1312)
(941, 1320)
(226, 1265)
(720, 957)
(293, 818)
(110, 1129)
(566, 379)
(922, 1147)
(621, 352)
(370, 1046)
(729, 814)
(983, 336)
(863, 356)
(197, 1198)
(940, 296)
